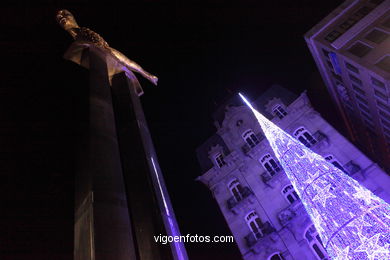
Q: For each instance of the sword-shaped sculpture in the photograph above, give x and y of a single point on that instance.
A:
(85, 36)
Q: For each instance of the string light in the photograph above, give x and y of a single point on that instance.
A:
(352, 222)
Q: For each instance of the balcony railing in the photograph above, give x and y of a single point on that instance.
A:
(322, 140)
(290, 212)
(320, 136)
(266, 177)
(286, 215)
(351, 168)
(232, 201)
(251, 239)
(246, 148)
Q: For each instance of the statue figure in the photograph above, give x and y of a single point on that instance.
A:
(86, 36)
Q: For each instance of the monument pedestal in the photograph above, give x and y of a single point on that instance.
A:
(102, 224)
(121, 199)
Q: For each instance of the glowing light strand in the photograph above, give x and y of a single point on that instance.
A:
(352, 222)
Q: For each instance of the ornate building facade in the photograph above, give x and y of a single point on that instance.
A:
(260, 206)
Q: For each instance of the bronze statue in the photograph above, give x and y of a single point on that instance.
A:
(84, 35)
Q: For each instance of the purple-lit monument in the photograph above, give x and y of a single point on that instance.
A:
(121, 198)
(352, 222)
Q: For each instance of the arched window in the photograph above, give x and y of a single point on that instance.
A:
(330, 158)
(219, 160)
(270, 164)
(236, 189)
(279, 111)
(254, 223)
(290, 194)
(304, 137)
(315, 243)
(250, 138)
(275, 256)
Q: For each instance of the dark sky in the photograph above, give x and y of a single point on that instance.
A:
(200, 51)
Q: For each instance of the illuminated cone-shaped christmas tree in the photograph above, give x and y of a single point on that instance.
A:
(352, 222)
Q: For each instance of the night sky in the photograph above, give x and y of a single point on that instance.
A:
(201, 52)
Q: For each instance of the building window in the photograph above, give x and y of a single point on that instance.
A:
(236, 189)
(343, 92)
(384, 63)
(384, 115)
(290, 194)
(363, 107)
(355, 79)
(219, 160)
(250, 138)
(351, 21)
(376, 36)
(385, 123)
(387, 132)
(270, 164)
(332, 36)
(380, 95)
(361, 99)
(279, 111)
(276, 256)
(359, 49)
(305, 137)
(383, 105)
(358, 90)
(330, 158)
(356, 17)
(378, 83)
(254, 223)
(362, 12)
(337, 77)
(315, 243)
(350, 108)
(367, 116)
(351, 67)
(348, 23)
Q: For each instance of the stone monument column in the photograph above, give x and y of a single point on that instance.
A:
(121, 197)
(146, 191)
(102, 223)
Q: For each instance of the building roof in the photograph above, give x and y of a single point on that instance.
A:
(275, 91)
(202, 152)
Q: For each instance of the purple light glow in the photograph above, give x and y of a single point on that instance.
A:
(352, 222)
(171, 230)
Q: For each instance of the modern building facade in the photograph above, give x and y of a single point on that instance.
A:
(351, 47)
(259, 204)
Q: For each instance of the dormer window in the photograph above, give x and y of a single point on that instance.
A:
(250, 138)
(219, 159)
(305, 137)
(279, 111)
